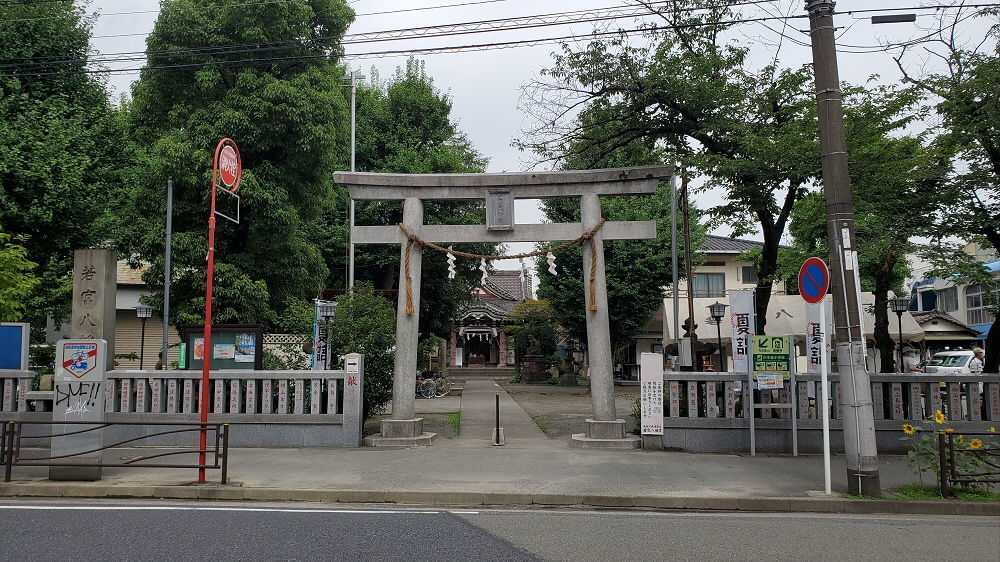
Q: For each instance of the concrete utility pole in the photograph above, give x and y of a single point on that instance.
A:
(354, 123)
(859, 419)
(164, 358)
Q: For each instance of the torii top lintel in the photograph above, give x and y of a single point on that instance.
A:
(523, 185)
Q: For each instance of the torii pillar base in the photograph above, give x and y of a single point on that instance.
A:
(605, 435)
(401, 433)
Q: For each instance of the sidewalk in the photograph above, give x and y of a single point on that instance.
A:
(530, 470)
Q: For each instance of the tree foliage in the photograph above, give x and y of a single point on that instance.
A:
(897, 182)
(534, 321)
(965, 92)
(58, 145)
(16, 278)
(405, 126)
(366, 324)
(285, 108)
(689, 92)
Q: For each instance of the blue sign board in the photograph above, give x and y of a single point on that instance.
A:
(14, 345)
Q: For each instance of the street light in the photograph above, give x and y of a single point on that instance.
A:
(718, 311)
(144, 313)
(327, 310)
(899, 305)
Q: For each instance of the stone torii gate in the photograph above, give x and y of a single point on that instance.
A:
(499, 191)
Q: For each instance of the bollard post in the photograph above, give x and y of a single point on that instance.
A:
(498, 439)
(943, 466)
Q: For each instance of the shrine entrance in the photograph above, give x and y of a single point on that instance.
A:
(605, 428)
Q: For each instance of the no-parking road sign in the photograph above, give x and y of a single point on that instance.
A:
(814, 280)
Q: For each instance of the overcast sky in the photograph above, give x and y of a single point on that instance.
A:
(485, 85)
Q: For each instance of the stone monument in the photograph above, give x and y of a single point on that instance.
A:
(95, 277)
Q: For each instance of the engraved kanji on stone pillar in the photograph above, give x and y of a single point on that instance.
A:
(95, 277)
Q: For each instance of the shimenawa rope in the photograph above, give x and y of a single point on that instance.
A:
(414, 239)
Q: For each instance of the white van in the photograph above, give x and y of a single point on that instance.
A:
(950, 363)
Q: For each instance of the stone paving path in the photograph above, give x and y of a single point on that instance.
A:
(479, 416)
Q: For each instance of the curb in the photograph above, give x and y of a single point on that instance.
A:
(508, 499)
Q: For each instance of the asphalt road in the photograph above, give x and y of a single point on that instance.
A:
(114, 530)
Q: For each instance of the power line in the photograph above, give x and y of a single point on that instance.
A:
(425, 51)
(98, 15)
(442, 30)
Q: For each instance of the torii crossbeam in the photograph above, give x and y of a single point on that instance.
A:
(499, 191)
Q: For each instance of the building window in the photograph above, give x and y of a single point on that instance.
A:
(709, 285)
(949, 299)
(976, 302)
(749, 274)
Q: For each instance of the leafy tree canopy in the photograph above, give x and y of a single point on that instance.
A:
(277, 91)
(16, 278)
(689, 92)
(405, 126)
(58, 145)
(366, 324)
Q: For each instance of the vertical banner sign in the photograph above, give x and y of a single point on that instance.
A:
(818, 335)
(772, 364)
(741, 308)
(79, 395)
(651, 389)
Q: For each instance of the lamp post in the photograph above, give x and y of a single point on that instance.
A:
(144, 313)
(718, 311)
(900, 305)
(327, 310)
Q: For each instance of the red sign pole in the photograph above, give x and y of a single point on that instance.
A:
(206, 351)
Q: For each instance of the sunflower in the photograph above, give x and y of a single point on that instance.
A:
(993, 430)
(908, 429)
(960, 439)
(976, 444)
(950, 430)
(939, 416)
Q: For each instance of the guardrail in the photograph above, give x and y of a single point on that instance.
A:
(235, 395)
(13, 435)
(896, 397)
(957, 464)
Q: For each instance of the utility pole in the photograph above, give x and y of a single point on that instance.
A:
(855, 385)
(164, 359)
(350, 240)
(689, 271)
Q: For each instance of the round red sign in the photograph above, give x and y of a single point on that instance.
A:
(230, 167)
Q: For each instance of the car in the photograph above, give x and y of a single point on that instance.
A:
(950, 363)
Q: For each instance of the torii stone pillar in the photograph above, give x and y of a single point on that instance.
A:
(499, 191)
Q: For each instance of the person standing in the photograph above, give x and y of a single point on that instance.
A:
(978, 361)
(911, 364)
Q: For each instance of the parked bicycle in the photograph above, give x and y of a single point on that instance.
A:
(431, 384)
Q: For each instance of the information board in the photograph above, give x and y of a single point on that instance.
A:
(651, 393)
(14, 345)
(772, 362)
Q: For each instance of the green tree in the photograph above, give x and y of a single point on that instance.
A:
(534, 321)
(967, 103)
(897, 180)
(16, 278)
(404, 125)
(59, 140)
(691, 93)
(267, 75)
(366, 324)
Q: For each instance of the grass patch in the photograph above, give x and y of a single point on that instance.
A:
(455, 419)
(542, 424)
(928, 492)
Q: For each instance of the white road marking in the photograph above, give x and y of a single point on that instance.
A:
(197, 508)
